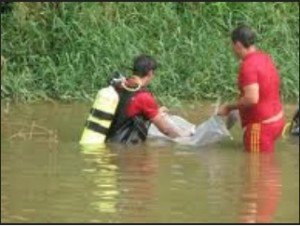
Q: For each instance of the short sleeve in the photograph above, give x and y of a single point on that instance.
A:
(249, 75)
(148, 105)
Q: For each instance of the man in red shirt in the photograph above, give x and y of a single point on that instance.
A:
(138, 108)
(259, 104)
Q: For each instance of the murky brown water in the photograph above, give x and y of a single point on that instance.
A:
(47, 178)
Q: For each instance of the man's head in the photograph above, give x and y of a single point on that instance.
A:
(143, 67)
(243, 38)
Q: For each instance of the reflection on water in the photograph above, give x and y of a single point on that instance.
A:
(45, 180)
(262, 188)
(101, 175)
(121, 182)
(137, 181)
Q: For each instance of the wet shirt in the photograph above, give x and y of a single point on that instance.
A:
(258, 67)
(143, 103)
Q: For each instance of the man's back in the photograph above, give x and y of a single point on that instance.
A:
(258, 67)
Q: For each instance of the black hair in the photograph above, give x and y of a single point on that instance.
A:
(142, 64)
(243, 34)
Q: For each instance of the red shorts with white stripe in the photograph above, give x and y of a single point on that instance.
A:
(259, 137)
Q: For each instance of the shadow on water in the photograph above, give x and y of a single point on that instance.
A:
(48, 178)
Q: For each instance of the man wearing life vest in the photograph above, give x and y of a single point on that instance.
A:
(137, 106)
(259, 104)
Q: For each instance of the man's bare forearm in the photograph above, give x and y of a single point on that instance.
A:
(165, 126)
(243, 102)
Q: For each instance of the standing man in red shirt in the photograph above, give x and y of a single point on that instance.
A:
(259, 104)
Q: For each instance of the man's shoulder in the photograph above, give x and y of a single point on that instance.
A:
(144, 94)
(257, 57)
(146, 99)
(143, 102)
(254, 60)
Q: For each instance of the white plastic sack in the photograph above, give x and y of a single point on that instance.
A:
(211, 131)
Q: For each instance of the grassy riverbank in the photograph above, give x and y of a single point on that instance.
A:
(65, 51)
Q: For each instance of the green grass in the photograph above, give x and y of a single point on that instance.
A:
(67, 51)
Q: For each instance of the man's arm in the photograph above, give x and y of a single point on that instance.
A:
(157, 115)
(251, 97)
(164, 126)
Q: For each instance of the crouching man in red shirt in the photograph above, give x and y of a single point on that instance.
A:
(259, 104)
(137, 107)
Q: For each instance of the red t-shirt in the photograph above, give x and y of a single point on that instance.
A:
(143, 103)
(258, 67)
